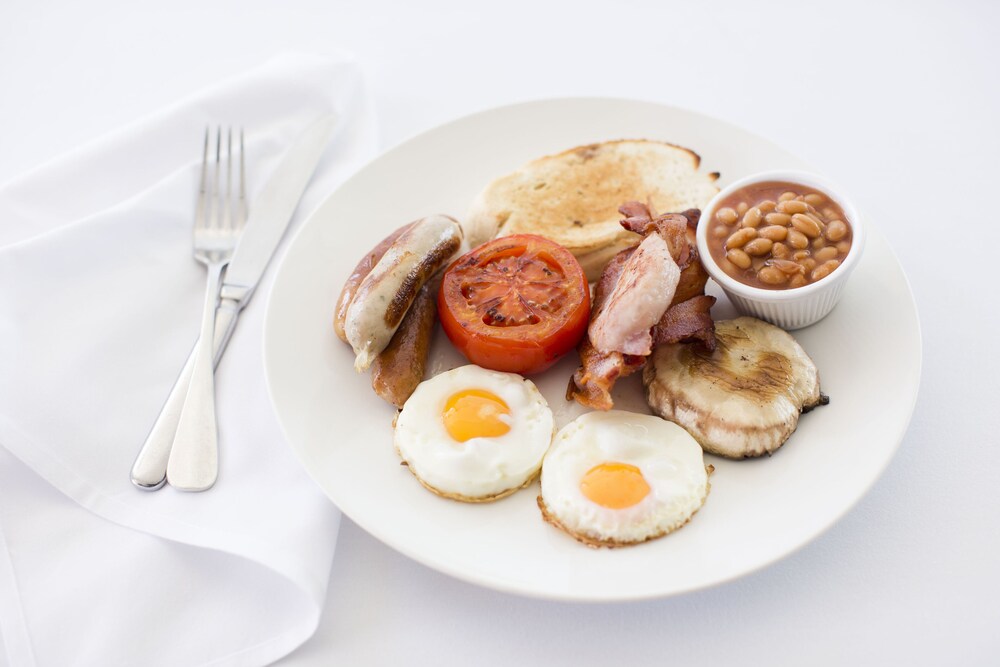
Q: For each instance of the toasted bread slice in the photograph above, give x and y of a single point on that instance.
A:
(573, 197)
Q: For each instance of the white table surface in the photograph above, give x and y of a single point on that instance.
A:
(898, 101)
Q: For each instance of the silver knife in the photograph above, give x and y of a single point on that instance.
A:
(266, 224)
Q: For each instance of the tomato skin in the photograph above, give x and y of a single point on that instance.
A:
(530, 347)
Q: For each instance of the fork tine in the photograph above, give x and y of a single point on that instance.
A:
(213, 220)
(199, 215)
(242, 212)
(227, 205)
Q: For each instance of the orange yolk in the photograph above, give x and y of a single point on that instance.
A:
(614, 485)
(475, 413)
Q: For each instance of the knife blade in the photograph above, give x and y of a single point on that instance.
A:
(277, 202)
(266, 224)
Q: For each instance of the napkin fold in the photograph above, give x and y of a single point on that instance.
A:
(100, 300)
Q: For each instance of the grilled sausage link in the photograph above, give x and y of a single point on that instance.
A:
(363, 268)
(399, 368)
(385, 294)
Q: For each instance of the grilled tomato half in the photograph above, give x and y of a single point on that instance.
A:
(515, 304)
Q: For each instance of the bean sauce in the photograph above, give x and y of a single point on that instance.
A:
(779, 235)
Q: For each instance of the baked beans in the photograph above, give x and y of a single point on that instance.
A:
(779, 235)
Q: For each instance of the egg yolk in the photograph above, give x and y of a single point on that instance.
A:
(614, 485)
(475, 413)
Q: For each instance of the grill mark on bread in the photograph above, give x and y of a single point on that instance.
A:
(590, 151)
(587, 152)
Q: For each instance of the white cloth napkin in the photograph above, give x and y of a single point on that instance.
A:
(100, 302)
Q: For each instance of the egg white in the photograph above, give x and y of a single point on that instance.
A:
(479, 468)
(671, 461)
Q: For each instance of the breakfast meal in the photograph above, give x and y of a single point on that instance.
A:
(779, 235)
(474, 435)
(572, 197)
(621, 218)
(744, 398)
(619, 478)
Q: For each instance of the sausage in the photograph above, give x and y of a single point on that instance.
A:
(385, 294)
(363, 268)
(399, 368)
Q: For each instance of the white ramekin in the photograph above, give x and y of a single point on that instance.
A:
(787, 308)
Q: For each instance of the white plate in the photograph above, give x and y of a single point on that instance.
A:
(868, 352)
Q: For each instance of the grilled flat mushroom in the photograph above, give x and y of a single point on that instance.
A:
(742, 400)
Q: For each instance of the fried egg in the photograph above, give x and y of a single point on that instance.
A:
(473, 434)
(617, 478)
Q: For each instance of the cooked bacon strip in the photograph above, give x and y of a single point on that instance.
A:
(684, 322)
(634, 209)
(592, 382)
(692, 282)
(686, 319)
(609, 278)
(641, 295)
(677, 229)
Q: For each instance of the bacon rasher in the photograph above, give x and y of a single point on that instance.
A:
(685, 318)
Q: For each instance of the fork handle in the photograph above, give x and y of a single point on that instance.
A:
(149, 472)
(194, 457)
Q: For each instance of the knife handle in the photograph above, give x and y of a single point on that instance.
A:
(149, 472)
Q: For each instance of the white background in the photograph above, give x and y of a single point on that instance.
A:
(897, 101)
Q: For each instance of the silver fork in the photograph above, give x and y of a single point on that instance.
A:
(194, 457)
